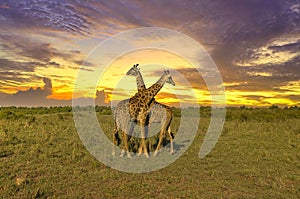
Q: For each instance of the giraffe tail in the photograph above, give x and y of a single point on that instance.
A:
(171, 133)
(117, 137)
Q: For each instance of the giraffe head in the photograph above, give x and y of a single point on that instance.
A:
(134, 70)
(168, 77)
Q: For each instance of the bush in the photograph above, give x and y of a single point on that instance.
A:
(7, 114)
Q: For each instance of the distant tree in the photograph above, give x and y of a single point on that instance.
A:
(243, 107)
(274, 107)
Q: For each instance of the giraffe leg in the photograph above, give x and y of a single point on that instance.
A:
(143, 138)
(132, 125)
(165, 126)
(128, 136)
(161, 135)
(149, 145)
(126, 148)
(115, 132)
(171, 140)
(125, 139)
(141, 147)
(140, 150)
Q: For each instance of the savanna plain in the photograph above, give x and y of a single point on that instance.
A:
(256, 156)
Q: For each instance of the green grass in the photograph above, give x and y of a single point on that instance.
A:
(257, 156)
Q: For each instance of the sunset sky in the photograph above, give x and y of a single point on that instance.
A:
(255, 44)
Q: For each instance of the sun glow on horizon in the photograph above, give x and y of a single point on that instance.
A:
(123, 86)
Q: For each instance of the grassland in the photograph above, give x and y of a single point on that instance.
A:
(257, 156)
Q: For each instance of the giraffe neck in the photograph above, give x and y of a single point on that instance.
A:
(155, 88)
(140, 82)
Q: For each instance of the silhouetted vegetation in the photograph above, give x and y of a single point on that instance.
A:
(262, 114)
(243, 114)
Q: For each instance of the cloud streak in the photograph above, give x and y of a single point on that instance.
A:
(254, 43)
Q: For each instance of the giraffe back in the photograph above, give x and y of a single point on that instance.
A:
(159, 112)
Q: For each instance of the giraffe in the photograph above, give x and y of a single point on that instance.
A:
(157, 113)
(140, 104)
(123, 118)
